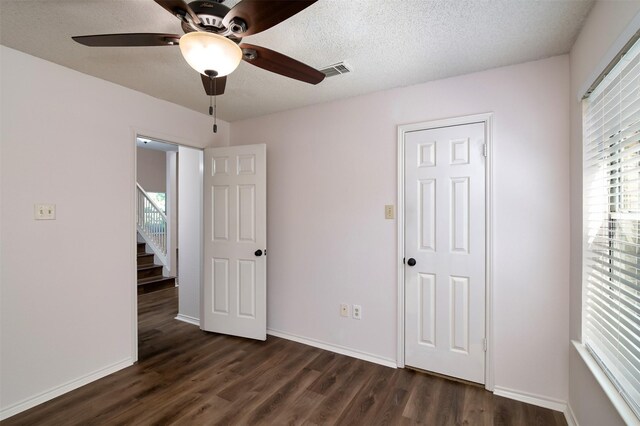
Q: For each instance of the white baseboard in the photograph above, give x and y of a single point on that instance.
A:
(570, 416)
(54, 392)
(387, 362)
(530, 398)
(188, 319)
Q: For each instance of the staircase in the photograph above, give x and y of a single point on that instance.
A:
(150, 276)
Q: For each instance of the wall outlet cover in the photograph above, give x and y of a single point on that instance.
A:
(357, 312)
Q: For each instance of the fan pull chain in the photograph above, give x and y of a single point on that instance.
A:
(215, 107)
(212, 109)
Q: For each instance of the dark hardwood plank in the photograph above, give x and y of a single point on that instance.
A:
(257, 389)
(334, 372)
(280, 400)
(368, 400)
(189, 377)
(477, 407)
(508, 412)
(295, 414)
(202, 413)
(343, 390)
(391, 408)
(423, 397)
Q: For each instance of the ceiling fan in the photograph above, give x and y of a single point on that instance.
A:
(212, 40)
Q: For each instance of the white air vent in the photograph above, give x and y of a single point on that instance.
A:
(336, 69)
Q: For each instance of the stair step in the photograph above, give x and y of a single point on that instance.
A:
(146, 271)
(145, 259)
(149, 285)
(142, 247)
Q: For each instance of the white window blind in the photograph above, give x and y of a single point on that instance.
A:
(611, 194)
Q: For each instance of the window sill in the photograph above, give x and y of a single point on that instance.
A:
(625, 412)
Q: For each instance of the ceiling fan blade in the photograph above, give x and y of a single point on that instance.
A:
(214, 89)
(179, 8)
(128, 40)
(260, 15)
(278, 63)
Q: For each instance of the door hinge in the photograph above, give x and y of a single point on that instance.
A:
(484, 345)
(484, 149)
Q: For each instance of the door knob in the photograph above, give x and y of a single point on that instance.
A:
(258, 253)
(411, 261)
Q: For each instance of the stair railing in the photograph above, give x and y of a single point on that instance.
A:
(152, 224)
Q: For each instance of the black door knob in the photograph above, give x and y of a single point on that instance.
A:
(411, 261)
(258, 253)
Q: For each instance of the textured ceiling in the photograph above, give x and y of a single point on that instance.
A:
(388, 43)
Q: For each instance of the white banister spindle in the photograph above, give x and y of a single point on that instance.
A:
(152, 223)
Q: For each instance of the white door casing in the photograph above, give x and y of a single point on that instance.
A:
(189, 234)
(234, 288)
(444, 213)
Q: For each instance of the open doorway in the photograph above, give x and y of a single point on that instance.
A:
(157, 214)
(169, 224)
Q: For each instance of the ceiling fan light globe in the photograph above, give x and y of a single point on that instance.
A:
(206, 51)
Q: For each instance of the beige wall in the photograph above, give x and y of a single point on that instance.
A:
(331, 170)
(67, 305)
(605, 23)
(151, 170)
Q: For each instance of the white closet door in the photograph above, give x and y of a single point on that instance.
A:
(445, 251)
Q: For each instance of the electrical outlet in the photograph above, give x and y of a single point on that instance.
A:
(44, 211)
(344, 310)
(388, 211)
(357, 312)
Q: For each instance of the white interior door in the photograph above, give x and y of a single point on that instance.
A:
(445, 251)
(235, 228)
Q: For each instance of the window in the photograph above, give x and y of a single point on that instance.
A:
(611, 219)
(160, 198)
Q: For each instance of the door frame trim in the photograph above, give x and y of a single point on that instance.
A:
(160, 137)
(486, 119)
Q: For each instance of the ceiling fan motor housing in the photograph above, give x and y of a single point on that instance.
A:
(211, 13)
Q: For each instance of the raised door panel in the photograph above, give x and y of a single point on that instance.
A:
(246, 213)
(427, 312)
(246, 288)
(220, 293)
(220, 209)
(427, 154)
(459, 220)
(220, 166)
(427, 214)
(246, 164)
(459, 314)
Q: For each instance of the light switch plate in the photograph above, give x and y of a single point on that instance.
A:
(44, 211)
(388, 211)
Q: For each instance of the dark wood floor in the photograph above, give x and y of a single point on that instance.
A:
(186, 376)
